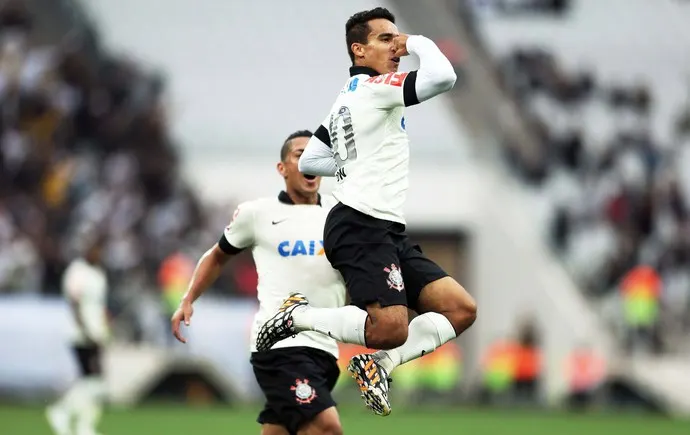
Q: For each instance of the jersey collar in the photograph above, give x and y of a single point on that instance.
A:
(355, 70)
(285, 198)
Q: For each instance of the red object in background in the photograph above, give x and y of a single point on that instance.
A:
(452, 50)
(175, 269)
(617, 209)
(529, 363)
(642, 280)
(246, 279)
(585, 370)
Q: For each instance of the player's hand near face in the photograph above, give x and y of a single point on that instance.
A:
(400, 45)
(182, 314)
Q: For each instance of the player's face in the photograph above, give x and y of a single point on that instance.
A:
(378, 51)
(294, 179)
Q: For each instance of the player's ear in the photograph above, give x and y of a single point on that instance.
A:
(357, 49)
(281, 169)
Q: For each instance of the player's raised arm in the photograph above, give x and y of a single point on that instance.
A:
(238, 235)
(435, 74)
(317, 158)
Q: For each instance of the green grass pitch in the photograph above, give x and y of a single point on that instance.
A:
(180, 420)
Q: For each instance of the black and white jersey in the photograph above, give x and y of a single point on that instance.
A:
(86, 285)
(286, 241)
(363, 142)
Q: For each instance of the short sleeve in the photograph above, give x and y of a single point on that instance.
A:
(239, 234)
(394, 89)
(71, 283)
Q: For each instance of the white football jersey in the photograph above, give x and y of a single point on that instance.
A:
(366, 130)
(87, 285)
(287, 244)
(363, 142)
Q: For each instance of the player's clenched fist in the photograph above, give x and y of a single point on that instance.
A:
(183, 313)
(400, 45)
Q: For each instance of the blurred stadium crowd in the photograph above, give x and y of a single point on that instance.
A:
(85, 152)
(620, 192)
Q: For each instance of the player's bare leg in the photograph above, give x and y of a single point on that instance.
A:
(447, 297)
(386, 328)
(326, 422)
(446, 311)
(273, 429)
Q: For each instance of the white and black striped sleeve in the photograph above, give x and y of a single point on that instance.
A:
(317, 158)
(239, 234)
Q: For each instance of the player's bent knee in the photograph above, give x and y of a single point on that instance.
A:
(273, 429)
(388, 328)
(446, 296)
(329, 428)
(461, 312)
(464, 316)
(326, 423)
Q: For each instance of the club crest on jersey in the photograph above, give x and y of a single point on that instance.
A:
(304, 393)
(395, 278)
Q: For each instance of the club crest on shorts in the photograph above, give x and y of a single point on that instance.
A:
(395, 279)
(304, 393)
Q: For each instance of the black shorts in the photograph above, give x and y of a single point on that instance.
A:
(297, 383)
(89, 359)
(376, 259)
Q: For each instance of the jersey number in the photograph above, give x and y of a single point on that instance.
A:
(342, 134)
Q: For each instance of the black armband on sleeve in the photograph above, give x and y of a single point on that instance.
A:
(410, 89)
(226, 247)
(322, 134)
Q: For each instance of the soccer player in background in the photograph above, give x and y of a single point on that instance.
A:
(284, 234)
(363, 143)
(85, 286)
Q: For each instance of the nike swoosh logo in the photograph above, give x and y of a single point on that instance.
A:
(278, 221)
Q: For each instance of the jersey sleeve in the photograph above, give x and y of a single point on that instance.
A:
(317, 157)
(393, 89)
(434, 76)
(239, 234)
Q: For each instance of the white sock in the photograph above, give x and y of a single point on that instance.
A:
(426, 333)
(345, 324)
(88, 414)
(74, 397)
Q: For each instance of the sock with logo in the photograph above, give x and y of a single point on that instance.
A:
(427, 332)
(345, 324)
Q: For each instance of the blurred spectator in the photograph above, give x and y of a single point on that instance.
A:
(620, 198)
(512, 368)
(586, 373)
(529, 363)
(641, 291)
(84, 146)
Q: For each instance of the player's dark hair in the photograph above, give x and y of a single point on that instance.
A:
(285, 149)
(357, 27)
